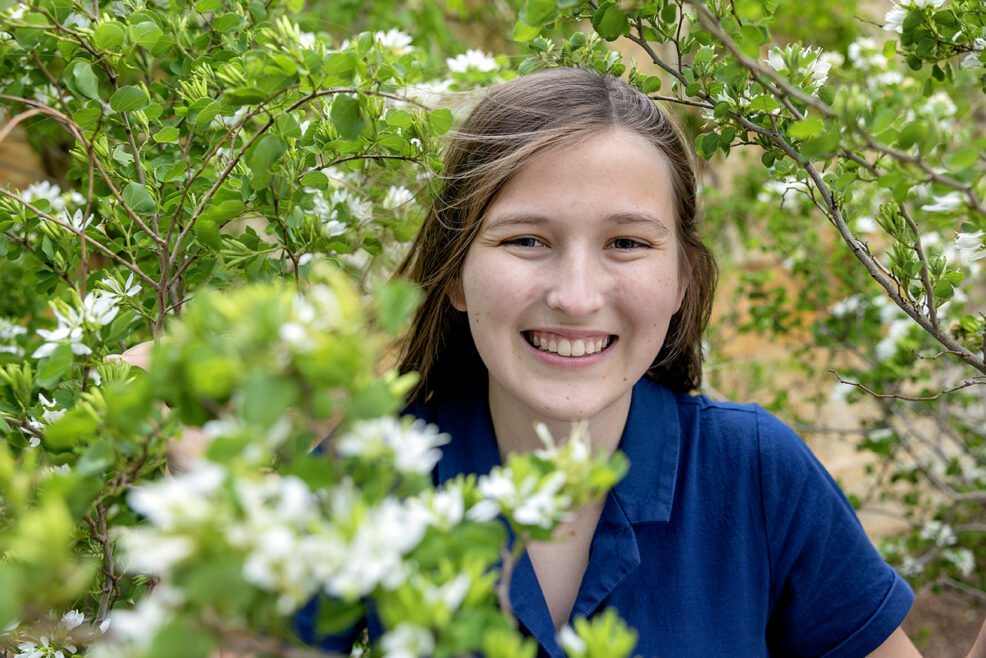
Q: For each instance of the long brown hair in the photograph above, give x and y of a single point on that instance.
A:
(511, 123)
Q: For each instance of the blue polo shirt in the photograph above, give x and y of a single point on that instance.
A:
(726, 538)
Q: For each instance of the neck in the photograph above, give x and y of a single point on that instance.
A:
(513, 424)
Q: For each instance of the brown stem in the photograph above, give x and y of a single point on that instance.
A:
(287, 240)
(82, 234)
(978, 381)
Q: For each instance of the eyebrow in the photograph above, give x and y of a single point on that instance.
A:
(619, 218)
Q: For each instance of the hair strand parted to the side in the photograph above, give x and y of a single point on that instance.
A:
(511, 123)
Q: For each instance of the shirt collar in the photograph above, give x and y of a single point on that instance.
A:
(651, 440)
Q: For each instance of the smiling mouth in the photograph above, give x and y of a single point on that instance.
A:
(555, 344)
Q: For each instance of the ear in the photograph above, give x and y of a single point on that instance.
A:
(457, 296)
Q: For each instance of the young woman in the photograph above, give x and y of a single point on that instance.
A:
(564, 280)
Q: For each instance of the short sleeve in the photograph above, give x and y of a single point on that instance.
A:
(831, 592)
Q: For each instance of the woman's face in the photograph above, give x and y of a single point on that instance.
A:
(573, 278)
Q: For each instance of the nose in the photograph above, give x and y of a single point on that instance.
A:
(576, 284)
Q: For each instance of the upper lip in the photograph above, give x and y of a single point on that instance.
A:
(573, 334)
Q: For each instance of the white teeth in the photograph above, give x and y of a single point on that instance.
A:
(566, 347)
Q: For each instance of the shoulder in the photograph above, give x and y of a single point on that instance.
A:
(733, 426)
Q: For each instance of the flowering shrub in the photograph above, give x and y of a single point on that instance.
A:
(237, 180)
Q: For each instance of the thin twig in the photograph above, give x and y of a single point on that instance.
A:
(896, 396)
(82, 234)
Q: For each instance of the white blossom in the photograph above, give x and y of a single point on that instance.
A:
(970, 246)
(941, 533)
(397, 196)
(945, 203)
(373, 555)
(962, 558)
(887, 347)
(306, 40)
(45, 190)
(471, 59)
(181, 499)
(571, 642)
(147, 551)
(72, 336)
(117, 292)
(99, 308)
(414, 446)
(139, 625)
(848, 306)
(535, 502)
(866, 224)
(910, 567)
(407, 640)
(395, 40)
(8, 334)
(893, 21)
(72, 619)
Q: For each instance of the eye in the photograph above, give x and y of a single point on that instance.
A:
(525, 241)
(627, 244)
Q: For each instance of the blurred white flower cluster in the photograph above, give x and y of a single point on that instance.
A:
(59, 639)
(808, 67)
(471, 60)
(413, 447)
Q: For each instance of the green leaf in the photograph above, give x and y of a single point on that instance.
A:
(265, 153)
(341, 65)
(96, 459)
(89, 114)
(207, 232)
(400, 119)
(536, 12)
(223, 211)
(53, 366)
(109, 35)
(244, 96)
(180, 639)
(139, 199)
(610, 22)
(207, 114)
(651, 84)
(166, 135)
(129, 98)
(345, 116)
(85, 79)
(288, 126)
(396, 301)
(805, 128)
(440, 121)
(69, 430)
(911, 134)
(227, 22)
(524, 32)
(146, 34)
(964, 157)
(205, 6)
(822, 146)
(267, 398)
(315, 179)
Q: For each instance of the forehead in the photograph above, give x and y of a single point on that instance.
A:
(612, 172)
